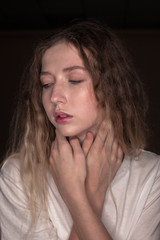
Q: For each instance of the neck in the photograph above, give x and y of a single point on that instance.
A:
(92, 130)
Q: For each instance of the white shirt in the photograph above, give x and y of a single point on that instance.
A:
(134, 192)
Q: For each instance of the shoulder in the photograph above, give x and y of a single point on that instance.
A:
(139, 170)
(12, 194)
(143, 163)
(10, 171)
(148, 156)
(144, 172)
(146, 162)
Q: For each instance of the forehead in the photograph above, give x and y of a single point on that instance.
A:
(62, 52)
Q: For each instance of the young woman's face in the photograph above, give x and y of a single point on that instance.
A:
(68, 96)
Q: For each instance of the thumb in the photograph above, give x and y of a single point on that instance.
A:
(87, 143)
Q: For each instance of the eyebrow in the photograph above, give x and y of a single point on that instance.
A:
(45, 73)
(71, 68)
(67, 69)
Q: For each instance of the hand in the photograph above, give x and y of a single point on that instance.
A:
(68, 166)
(104, 157)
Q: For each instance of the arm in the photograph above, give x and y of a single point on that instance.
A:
(70, 172)
(104, 158)
(87, 224)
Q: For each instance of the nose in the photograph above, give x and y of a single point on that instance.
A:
(58, 94)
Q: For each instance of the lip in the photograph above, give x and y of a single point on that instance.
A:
(62, 117)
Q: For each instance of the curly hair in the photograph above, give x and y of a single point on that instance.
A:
(117, 88)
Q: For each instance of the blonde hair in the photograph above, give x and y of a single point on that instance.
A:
(116, 86)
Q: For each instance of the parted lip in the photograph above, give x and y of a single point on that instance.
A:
(57, 114)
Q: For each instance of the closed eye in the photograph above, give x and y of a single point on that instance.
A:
(47, 85)
(75, 81)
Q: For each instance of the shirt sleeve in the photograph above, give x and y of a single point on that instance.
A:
(148, 225)
(14, 214)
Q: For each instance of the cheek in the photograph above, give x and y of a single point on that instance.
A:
(91, 101)
(93, 111)
(89, 105)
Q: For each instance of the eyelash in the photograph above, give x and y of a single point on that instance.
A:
(75, 81)
(47, 85)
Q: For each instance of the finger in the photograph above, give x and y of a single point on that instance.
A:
(87, 143)
(110, 145)
(61, 141)
(76, 147)
(114, 151)
(116, 155)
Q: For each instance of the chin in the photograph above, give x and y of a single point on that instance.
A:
(74, 133)
(79, 133)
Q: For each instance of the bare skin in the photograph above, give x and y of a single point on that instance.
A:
(85, 171)
(80, 167)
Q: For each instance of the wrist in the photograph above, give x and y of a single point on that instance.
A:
(97, 201)
(77, 198)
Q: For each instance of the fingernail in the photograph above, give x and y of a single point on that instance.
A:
(89, 135)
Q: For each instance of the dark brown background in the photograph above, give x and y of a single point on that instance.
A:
(16, 49)
(23, 23)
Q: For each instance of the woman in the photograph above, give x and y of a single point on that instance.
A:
(76, 169)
